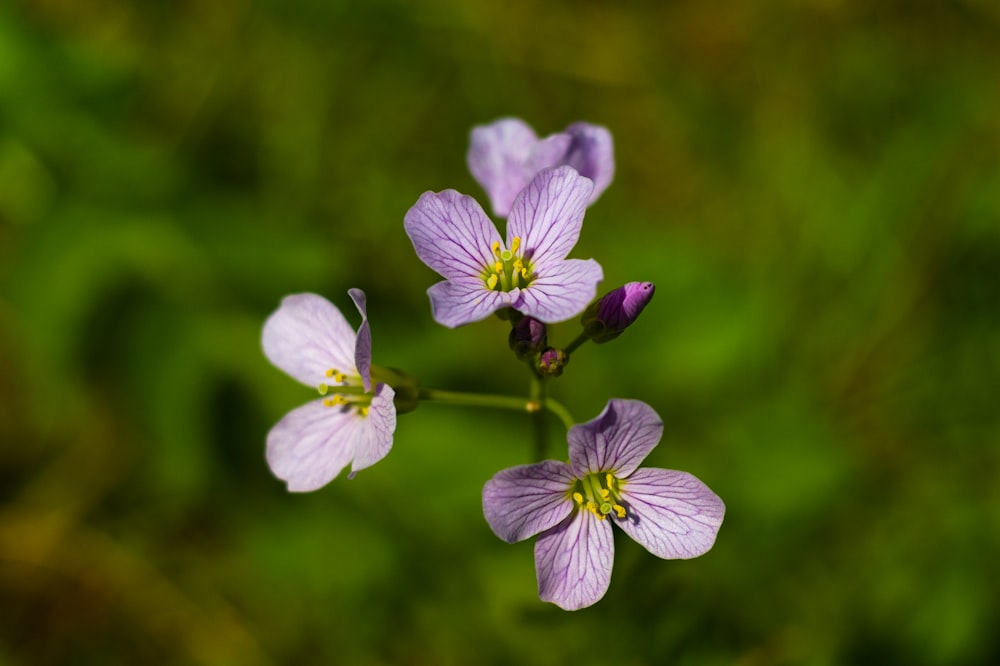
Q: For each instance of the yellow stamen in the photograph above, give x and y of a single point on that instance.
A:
(363, 411)
(496, 248)
(620, 510)
(329, 373)
(491, 281)
(515, 244)
(578, 498)
(610, 479)
(498, 267)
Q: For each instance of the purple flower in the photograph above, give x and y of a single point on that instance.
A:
(529, 273)
(571, 506)
(353, 422)
(606, 319)
(505, 156)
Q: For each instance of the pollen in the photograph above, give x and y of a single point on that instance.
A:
(491, 281)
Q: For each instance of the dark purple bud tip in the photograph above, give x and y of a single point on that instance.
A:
(606, 318)
(527, 338)
(551, 362)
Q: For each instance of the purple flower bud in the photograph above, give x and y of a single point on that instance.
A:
(527, 337)
(552, 361)
(606, 318)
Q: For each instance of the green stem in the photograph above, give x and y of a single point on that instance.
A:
(477, 399)
(579, 340)
(537, 392)
(497, 401)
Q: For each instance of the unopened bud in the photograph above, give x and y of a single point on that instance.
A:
(527, 338)
(606, 318)
(551, 362)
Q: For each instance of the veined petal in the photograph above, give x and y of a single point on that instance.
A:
(451, 234)
(671, 514)
(592, 154)
(306, 336)
(573, 561)
(561, 290)
(376, 439)
(465, 300)
(363, 344)
(547, 215)
(617, 440)
(522, 501)
(312, 443)
(497, 156)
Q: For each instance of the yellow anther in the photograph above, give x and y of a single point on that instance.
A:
(610, 479)
(496, 248)
(322, 388)
(605, 495)
(339, 377)
(515, 244)
(335, 400)
(592, 507)
(491, 281)
(518, 265)
(620, 510)
(363, 411)
(329, 373)
(578, 498)
(498, 267)
(524, 273)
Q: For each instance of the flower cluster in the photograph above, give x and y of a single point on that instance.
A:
(543, 188)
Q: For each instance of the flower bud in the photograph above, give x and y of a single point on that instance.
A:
(606, 318)
(527, 338)
(551, 362)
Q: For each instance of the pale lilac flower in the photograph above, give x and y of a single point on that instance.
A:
(353, 422)
(505, 156)
(571, 506)
(529, 273)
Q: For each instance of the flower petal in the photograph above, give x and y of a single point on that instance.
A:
(617, 440)
(451, 234)
(547, 152)
(465, 300)
(592, 154)
(561, 291)
(312, 443)
(547, 215)
(497, 156)
(573, 561)
(522, 501)
(306, 336)
(363, 344)
(376, 439)
(671, 514)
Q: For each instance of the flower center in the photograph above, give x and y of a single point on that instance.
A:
(510, 270)
(346, 392)
(599, 494)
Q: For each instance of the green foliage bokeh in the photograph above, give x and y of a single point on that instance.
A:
(814, 188)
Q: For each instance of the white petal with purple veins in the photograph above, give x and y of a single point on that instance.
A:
(465, 300)
(672, 514)
(311, 445)
(617, 440)
(519, 502)
(306, 336)
(573, 561)
(548, 214)
(451, 234)
(376, 439)
(562, 291)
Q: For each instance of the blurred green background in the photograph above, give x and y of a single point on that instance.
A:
(813, 186)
